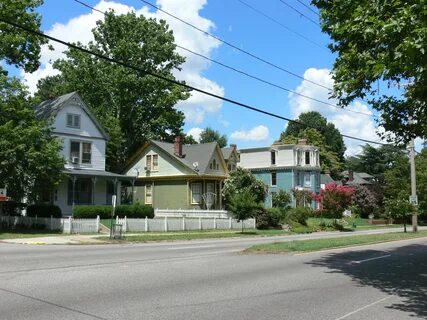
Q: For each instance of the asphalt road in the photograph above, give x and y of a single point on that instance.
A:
(211, 279)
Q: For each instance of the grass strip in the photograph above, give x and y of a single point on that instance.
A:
(331, 243)
(19, 234)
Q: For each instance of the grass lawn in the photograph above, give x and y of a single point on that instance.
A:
(359, 223)
(320, 244)
(192, 235)
(25, 233)
(107, 222)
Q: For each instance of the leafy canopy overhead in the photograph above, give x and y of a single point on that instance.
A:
(211, 135)
(18, 47)
(132, 106)
(378, 41)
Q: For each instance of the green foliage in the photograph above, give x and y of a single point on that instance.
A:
(334, 199)
(329, 160)
(43, 210)
(298, 215)
(399, 209)
(211, 135)
(30, 159)
(243, 206)
(189, 139)
(104, 212)
(242, 180)
(381, 41)
(269, 218)
(123, 100)
(281, 199)
(364, 200)
(18, 47)
(302, 197)
(313, 119)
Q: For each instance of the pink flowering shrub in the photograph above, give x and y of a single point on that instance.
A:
(334, 199)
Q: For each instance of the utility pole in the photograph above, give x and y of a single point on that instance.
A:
(413, 199)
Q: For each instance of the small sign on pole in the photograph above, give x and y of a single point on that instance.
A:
(113, 202)
(413, 200)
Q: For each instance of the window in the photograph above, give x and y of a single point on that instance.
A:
(298, 158)
(307, 157)
(273, 178)
(196, 193)
(80, 152)
(148, 194)
(82, 191)
(273, 157)
(86, 152)
(152, 162)
(148, 162)
(307, 180)
(155, 162)
(73, 120)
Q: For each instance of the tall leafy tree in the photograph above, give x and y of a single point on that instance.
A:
(315, 120)
(381, 41)
(131, 105)
(30, 159)
(211, 135)
(18, 47)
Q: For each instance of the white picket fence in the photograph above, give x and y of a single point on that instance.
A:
(66, 225)
(166, 224)
(194, 213)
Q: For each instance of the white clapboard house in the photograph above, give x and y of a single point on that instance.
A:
(84, 142)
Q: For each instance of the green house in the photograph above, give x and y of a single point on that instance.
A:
(177, 176)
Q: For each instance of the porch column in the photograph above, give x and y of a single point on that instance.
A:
(133, 190)
(94, 180)
(220, 195)
(188, 193)
(73, 180)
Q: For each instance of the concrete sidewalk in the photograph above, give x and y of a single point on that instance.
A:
(93, 238)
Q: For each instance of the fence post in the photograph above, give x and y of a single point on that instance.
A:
(97, 223)
(200, 223)
(254, 223)
(117, 219)
(125, 224)
(166, 224)
(51, 222)
(214, 223)
(70, 222)
(183, 223)
(146, 224)
(229, 223)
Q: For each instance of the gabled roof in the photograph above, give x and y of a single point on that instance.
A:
(326, 178)
(200, 153)
(228, 151)
(358, 177)
(50, 108)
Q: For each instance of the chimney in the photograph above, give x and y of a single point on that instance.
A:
(178, 146)
(302, 142)
(350, 175)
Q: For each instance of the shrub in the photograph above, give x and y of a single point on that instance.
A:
(281, 199)
(299, 215)
(269, 218)
(44, 210)
(104, 212)
(12, 208)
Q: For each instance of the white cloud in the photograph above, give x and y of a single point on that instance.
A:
(195, 133)
(258, 133)
(349, 123)
(79, 29)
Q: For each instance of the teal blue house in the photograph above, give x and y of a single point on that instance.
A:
(284, 167)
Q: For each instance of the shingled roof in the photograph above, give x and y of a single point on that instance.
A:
(50, 108)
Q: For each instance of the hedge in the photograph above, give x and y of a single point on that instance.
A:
(44, 210)
(104, 212)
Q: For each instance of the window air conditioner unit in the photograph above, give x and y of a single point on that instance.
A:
(75, 160)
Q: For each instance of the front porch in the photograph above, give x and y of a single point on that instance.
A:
(88, 187)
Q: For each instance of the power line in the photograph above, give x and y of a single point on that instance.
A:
(164, 78)
(281, 24)
(234, 46)
(250, 75)
(300, 13)
(309, 8)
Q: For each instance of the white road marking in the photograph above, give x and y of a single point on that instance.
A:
(192, 247)
(363, 308)
(370, 259)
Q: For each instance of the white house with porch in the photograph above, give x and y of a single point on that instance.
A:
(84, 142)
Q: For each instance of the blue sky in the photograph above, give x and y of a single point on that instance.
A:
(236, 23)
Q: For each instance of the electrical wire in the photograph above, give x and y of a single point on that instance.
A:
(309, 8)
(300, 13)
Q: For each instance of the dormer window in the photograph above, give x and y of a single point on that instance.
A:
(73, 120)
(152, 162)
(214, 165)
(273, 157)
(307, 157)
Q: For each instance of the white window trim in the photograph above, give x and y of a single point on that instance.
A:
(276, 153)
(271, 179)
(73, 116)
(191, 196)
(145, 194)
(304, 180)
(151, 155)
(80, 142)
